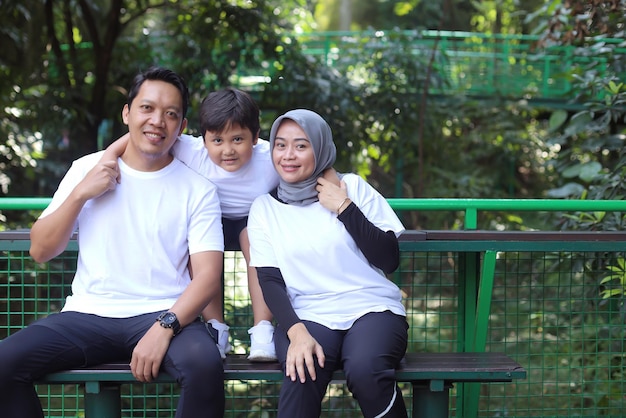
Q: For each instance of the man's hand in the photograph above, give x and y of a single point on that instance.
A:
(300, 353)
(99, 180)
(149, 352)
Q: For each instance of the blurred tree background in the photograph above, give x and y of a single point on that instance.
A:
(65, 65)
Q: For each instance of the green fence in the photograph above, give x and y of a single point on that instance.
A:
(546, 311)
(478, 64)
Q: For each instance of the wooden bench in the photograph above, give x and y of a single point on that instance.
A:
(431, 375)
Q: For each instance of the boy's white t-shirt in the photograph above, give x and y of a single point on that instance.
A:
(238, 189)
(134, 241)
(328, 278)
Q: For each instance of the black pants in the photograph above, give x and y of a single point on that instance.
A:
(71, 339)
(368, 353)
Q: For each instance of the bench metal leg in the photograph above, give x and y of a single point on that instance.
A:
(102, 400)
(429, 402)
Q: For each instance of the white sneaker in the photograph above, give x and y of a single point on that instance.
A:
(219, 332)
(262, 342)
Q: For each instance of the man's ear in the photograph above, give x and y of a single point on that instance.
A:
(125, 112)
(183, 126)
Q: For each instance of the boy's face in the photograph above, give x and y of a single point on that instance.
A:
(154, 119)
(230, 149)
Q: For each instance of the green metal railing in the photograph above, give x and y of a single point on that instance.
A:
(478, 64)
(538, 301)
(470, 207)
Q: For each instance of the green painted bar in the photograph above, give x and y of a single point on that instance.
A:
(24, 203)
(506, 204)
(435, 204)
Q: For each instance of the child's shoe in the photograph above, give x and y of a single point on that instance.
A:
(262, 342)
(219, 332)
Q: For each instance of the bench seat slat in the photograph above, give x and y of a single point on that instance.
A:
(453, 367)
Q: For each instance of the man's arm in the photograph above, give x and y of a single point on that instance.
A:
(50, 235)
(206, 285)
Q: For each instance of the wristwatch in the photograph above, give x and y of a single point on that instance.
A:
(169, 320)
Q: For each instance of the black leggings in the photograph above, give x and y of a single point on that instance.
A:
(71, 339)
(368, 352)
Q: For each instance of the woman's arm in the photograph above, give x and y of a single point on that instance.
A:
(303, 348)
(275, 295)
(379, 247)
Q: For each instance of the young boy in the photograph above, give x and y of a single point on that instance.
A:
(239, 163)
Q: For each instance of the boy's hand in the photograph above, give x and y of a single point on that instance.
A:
(330, 174)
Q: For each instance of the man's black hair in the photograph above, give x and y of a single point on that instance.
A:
(160, 74)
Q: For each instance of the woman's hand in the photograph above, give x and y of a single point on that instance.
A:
(303, 349)
(332, 197)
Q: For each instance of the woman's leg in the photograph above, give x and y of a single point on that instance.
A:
(304, 400)
(372, 349)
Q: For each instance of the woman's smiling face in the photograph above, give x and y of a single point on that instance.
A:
(292, 154)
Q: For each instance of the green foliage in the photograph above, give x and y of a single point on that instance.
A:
(617, 275)
(591, 156)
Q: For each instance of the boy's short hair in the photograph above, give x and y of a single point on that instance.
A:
(160, 74)
(226, 107)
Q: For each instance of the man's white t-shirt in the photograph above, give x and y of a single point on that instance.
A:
(328, 279)
(238, 189)
(134, 241)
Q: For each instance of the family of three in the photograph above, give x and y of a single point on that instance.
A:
(153, 224)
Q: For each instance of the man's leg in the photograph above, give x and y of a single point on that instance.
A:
(372, 349)
(27, 355)
(193, 359)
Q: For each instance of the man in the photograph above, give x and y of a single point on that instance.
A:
(140, 241)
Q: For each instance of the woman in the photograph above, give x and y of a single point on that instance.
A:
(321, 252)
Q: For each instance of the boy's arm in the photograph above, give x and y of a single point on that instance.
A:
(115, 149)
(330, 174)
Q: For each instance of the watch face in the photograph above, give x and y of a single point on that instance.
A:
(168, 319)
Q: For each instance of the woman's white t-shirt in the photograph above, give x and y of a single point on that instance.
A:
(328, 279)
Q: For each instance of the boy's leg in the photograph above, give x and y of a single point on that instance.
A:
(194, 361)
(213, 315)
(304, 400)
(262, 333)
(372, 349)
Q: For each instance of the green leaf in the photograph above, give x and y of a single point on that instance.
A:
(557, 119)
